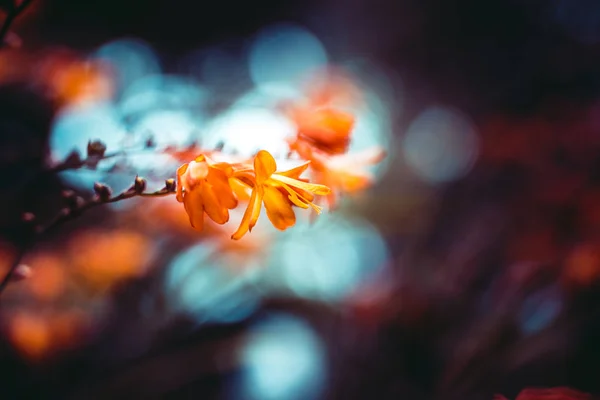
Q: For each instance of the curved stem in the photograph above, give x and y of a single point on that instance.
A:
(10, 18)
(67, 214)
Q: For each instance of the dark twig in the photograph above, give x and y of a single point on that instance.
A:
(75, 209)
(10, 18)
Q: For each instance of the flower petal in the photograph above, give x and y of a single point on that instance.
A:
(219, 183)
(250, 215)
(193, 204)
(295, 172)
(278, 208)
(350, 181)
(309, 187)
(264, 166)
(212, 206)
(299, 198)
(180, 171)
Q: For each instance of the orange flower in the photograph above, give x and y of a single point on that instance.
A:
(325, 128)
(343, 172)
(271, 187)
(203, 187)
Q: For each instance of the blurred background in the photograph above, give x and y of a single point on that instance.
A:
(471, 267)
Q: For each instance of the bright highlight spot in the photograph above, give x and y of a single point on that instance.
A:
(283, 359)
(160, 92)
(245, 131)
(130, 59)
(540, 309)
(330, 259)
(440, 145)
(199, 285)
(285, 53)
(75, 126)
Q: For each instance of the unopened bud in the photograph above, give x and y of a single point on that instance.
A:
(28, 217)
(21, 272)
(150, 142)
(170, 185)
(96, 148)
(73, 159)
(102, 191)
(220, 146)
(139, 185)
(71, 199)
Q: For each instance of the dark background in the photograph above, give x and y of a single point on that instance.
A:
(532, 65)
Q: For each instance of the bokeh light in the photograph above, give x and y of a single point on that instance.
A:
(130, 59)
(75, 126)
(104, 258)
(440, 145)
(283, 359)
(540, 309)
(329, 259)
(200, 285)
(285, 53)
(247, 130)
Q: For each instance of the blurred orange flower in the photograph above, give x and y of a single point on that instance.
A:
(345, 173)
(324, 128)
(323, 136)
(50, 278)
(278, 191)
(30, 334)
(38, 335)
(104, 258)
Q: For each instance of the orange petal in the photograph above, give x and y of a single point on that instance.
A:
(351, 182)
(212, 206)
(180, 171)
(295, 172)
(264, 166)
(278, 208)
(223, 166)
(220, 185)
(250, 215)
(298, 198)
(294, 197)
(327, 128)
(192, 201)
(309, 187)
(240, 189)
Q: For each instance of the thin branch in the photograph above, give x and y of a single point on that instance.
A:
(77, 207)
(10, 18)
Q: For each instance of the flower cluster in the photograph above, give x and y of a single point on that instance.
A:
(209, 186)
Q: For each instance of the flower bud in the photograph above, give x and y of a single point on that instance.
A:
(71, 199)
(96, 148)
(170, 185)
(220, 146)
(28, 217)
(21, 272)
(139, 185)
(102, 191)
(73, 159)
(150, 142)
